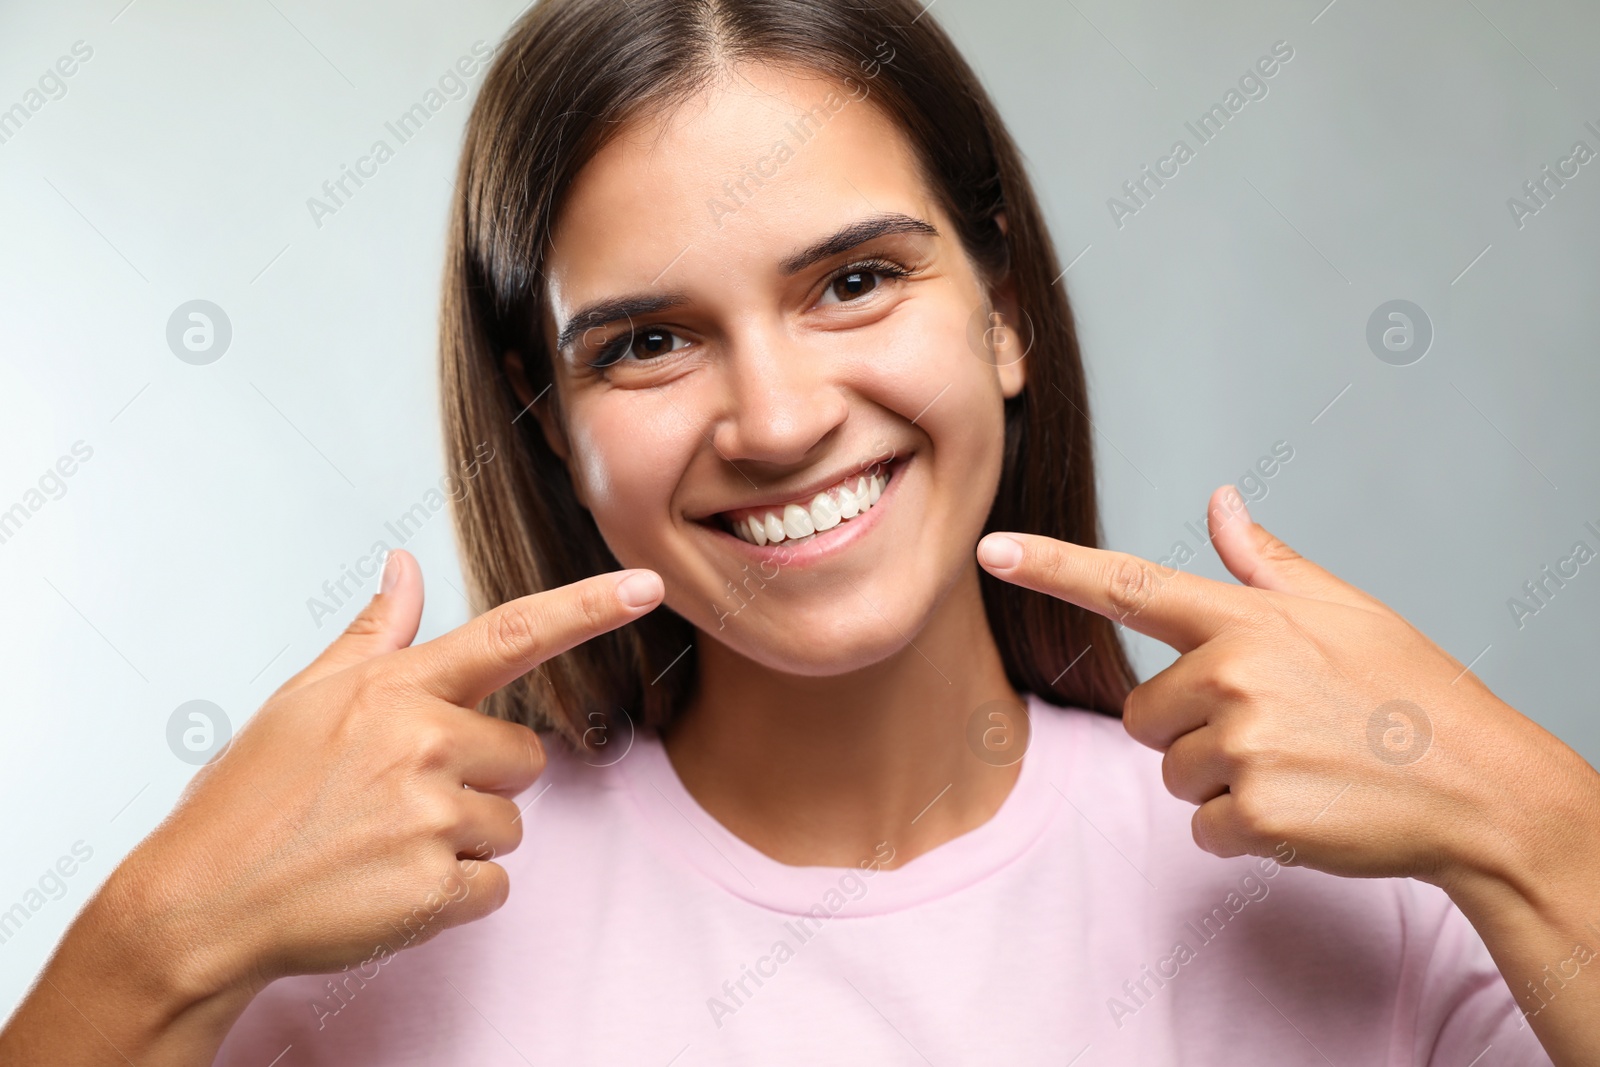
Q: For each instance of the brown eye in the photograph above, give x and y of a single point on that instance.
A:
(638, 347)
(856, 280)
(652, 343)
(854, 283)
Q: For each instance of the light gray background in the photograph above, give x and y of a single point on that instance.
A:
(1226, 315)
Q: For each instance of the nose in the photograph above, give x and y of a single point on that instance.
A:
(782, 399)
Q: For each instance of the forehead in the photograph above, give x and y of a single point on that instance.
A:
(734, 179)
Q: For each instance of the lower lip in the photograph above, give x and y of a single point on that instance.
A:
(824, 545)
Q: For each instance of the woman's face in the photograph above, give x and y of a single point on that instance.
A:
(761, 308)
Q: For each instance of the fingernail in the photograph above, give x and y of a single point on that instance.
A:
(391, 573)
(999, 551)
(1240, 507)
(640, 589)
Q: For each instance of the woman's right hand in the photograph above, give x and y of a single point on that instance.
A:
(334, 823)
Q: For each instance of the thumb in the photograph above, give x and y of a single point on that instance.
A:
(388, 622)
(1257, 558)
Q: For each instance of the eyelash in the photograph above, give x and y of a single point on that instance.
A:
(616, 349)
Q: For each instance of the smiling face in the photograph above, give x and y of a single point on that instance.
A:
(769, 391)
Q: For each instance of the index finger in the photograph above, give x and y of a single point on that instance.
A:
(506, 642)
(1180, 609)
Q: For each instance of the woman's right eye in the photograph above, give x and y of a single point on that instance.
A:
(639, 346)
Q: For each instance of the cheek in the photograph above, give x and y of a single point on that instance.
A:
(628, 458)
(967, 431)
(929, 372)
(961, 409)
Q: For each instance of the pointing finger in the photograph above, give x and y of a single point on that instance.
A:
(1179, 609)
(499, 646)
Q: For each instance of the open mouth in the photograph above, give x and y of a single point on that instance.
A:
(799, 520)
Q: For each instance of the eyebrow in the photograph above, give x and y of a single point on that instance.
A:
(614, 309)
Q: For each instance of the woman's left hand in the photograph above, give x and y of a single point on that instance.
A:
(1311, 722)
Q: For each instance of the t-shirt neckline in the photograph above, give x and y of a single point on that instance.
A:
(681, 827)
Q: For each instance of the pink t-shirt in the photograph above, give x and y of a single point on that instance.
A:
(1080, 925)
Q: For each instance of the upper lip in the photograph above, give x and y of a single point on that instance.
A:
(805, 493)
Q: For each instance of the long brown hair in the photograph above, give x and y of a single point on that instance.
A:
(568, 77)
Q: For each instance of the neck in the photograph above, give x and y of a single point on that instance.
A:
(823, 770)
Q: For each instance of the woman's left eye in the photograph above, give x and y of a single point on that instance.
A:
(858, 280)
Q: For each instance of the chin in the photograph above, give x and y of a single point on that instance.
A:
(853, 646)
(833, 634)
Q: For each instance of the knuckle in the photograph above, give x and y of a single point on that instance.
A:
(1227, 681)
(435, 816)
(513, 825)
(444, 816)
(493, 885)
(1047, 562)
(1135, 707)
(1199, 828)
(1172, 773)
(593, 607)
(485, 888)
(433, 745)
(1240, 745)
(534, 748)
(511, 635)
(1275, 551)
(367, 623)
(1129, 585)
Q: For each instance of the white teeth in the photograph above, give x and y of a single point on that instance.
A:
(824, 511)
(797, 521)
(825, 514)
(848, 508)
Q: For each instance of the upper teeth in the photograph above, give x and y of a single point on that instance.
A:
(827, 509)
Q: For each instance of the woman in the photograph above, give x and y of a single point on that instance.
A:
(755, 299)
